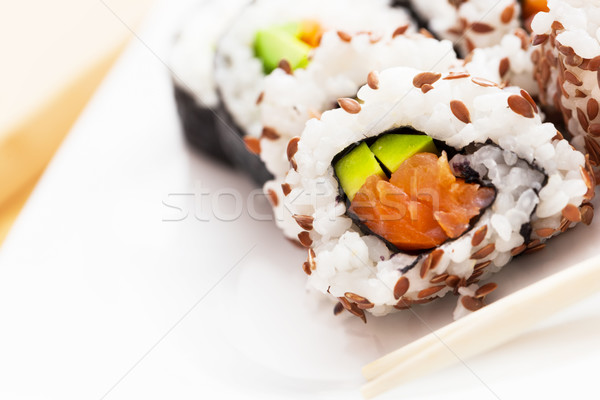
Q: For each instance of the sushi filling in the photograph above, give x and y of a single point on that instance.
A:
(422, 204)
(400, 190)
(287, 46)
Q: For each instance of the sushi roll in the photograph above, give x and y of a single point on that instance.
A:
(470, 23)
(427, 184)
(567, 64)
(273, 36)
(192, 73)
(338, 69)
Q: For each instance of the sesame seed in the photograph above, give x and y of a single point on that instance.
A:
(592, 108)
(292, 147)
(273, 197)
(260, 98)
(582, 118)
(520, 106)
(431, 261)
(528, 97)
(269, 133)
(426, 78)
(439, 278)
(252, 144)
(479, 235)
(507, 14)
(480, 27)
(534, 249)
(460, 111)
(304, 221)
(430, 291)
(456, 75)
(356, 298)
(539, 39)
(305, 239)
(483, 252)
(471, 303)
(401, 287)
(587, 177)
(373, 80)
(480, 266)
(587, 213)
(594, 64)
(426, 33)
(571, 213)
(483, 82)
(545, 232)
(572, 78)
(426, 88)
(574, 60)
(452, 281)
(518, 250)
(400, 31)
(365, 306)
(285, 66)
(344, 36)
(504, 66)
(470, 45)
(306, 268)
(351, 106)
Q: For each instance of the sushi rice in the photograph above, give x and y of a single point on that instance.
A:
(470, 23)
(543, 188)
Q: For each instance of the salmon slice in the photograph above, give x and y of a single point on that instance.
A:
(422, 205)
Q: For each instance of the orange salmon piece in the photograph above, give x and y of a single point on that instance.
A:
(422, 205)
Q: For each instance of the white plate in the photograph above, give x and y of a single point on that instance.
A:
(100, 295)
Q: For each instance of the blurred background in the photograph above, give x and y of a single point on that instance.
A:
(55, 53)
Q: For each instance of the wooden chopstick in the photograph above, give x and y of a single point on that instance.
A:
(484, 329)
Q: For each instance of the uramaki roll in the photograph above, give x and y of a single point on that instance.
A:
(283, 35)
(567, 59)
(497, 183)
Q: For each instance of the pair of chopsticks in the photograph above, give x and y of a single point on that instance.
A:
(483, 330)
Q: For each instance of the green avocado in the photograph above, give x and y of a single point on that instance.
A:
(393, 149)
(354, 169)
(278, 43)
(292, 29)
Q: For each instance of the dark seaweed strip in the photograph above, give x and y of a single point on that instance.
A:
(230, 137)
(199, 125)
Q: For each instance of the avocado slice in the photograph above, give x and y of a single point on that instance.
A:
(277, 43)
(291, 28)
(354, 169)
(393, 149)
